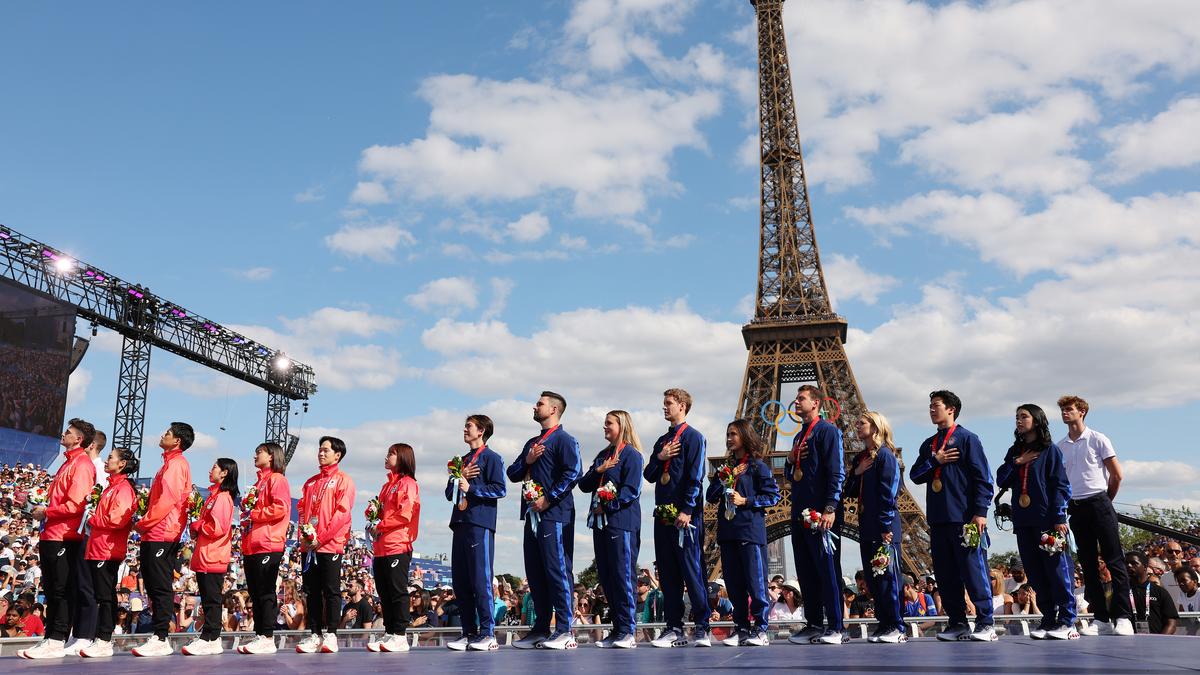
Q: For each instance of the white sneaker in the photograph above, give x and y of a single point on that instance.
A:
(98, 649)
(1088, 628)
(625, 642)
(562, 640)
(202, 647)
(604, 643)
(701, 637)
(75, 646)
(155, 646)
(309, 645)
(805, 636)
(530, 641)
(459, 645)
(329, 644)
(953, 633)
(735, 639)
(373, 644)
(1103, 627)
(1038, 633)
(670, 638)
(486, 643)
(1063, 633)
(892, 636)
(259, 645)
(759, 639)
(394, 643)
(984, 634)
(832, 637)
(1123, 626)
(46, 649)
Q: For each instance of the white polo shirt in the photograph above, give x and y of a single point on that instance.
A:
(1085, 462)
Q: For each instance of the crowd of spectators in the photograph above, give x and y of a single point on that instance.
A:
(32, 394)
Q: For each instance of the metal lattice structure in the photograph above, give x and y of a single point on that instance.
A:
(795, 337)
(145, 321)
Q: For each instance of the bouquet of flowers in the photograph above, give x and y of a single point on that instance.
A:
(90, 503)
(373, 512)
(250, 499)
(38, 496)
(666, 513)
(195, 504)
(810, 518)
(143, 502)
(1052, 542)
(728, 477)
(455, 468)
(972, 535)
(531, 492)
(604, 494)
(881, 562)
(308, 533)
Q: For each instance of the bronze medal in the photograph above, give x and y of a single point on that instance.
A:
(937, 485)
(462, 504)
(666, 478)
(1024, 501)
(797, 474)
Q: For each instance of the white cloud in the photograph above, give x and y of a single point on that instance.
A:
(501, 289)
(572, 243)
(924, 66)
(255, 273)
(313, 194)
(367, 192)
(454, 293)
(529, 227)
(847, 280)
(1077, 226)
(376, 242)
(456, 251)
(1026, 151)
(608, 145)
(1171, 140)
(614, 32)
(77, 387)
(1152, 475)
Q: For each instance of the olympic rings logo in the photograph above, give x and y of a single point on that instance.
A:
(789, 411)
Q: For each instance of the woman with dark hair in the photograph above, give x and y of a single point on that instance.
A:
(873, 481)
(264, 532)
(213, 532)
(394, 534)
(473, 542)
(1034, 469)
(111, 522)
(616, 524)
(742, 530)
(324, 529)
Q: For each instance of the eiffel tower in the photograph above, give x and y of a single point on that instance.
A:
(795, 337)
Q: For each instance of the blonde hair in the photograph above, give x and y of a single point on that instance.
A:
(628, 434)
(883, 431)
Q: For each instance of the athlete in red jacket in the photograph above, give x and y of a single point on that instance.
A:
(324, 527)
(61, 538)
(264, 535)
(111, 523)
(213, 532)
(394, 534)
(160, 530)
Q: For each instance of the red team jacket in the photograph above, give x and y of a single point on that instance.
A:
(169, 494)
(112, 520)
(67, 497)
(328, 497)
(399, 516)
(270, 515)
(213, 531)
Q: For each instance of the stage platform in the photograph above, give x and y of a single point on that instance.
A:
(1010, 656)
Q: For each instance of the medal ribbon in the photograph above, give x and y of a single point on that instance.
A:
(315, 502)
(678, 432)
(1025, 482)
(802, 441)
(937, 473)
(538, 442)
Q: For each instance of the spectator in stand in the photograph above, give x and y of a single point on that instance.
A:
(1152, 607)
(1173, 557)
(863, 605)
(12, 624)
(788, 606)
(1189, 597)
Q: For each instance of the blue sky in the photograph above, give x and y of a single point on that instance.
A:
(446, 213)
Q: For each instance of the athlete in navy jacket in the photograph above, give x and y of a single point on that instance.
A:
(1034, 470)
(816, 471)
(676, 467)
(952, 464)
(743, 537)
(873, 483)
(473, 522)
(616, 523)
(551, 460)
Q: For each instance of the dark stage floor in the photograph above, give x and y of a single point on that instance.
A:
(1010, 656)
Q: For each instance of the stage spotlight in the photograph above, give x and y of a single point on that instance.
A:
(281, 363)
(64, 265)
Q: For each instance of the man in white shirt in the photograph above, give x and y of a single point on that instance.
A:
(1095, 477)
(1172, 562)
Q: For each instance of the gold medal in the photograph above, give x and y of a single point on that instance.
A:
(1024, 501)
(666, 478)
(937, 485)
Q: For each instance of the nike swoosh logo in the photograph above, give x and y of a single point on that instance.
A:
(474, 545)
(545, 536)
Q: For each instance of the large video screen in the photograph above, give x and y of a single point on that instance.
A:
(35, 354)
